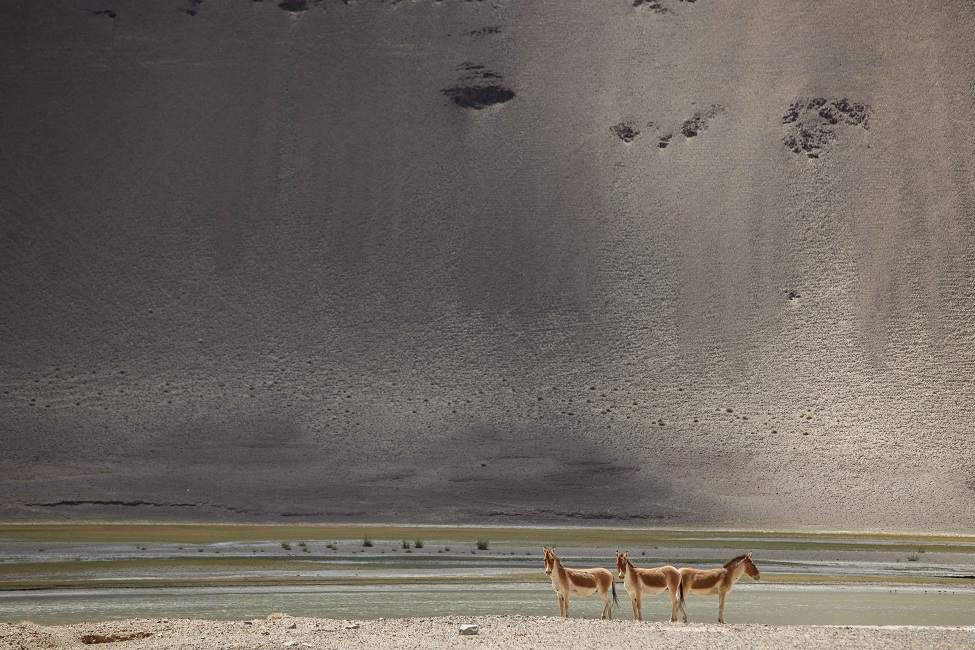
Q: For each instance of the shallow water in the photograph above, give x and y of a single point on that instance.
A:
(749, 603)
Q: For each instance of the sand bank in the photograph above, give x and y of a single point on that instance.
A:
(494, 632)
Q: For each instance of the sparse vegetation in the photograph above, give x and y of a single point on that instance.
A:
(405, 544)
(418, 543)
(366, 542)
(286, 546)
(913, 557)
(482, 545)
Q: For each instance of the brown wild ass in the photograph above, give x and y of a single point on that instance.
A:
(708, 582)
(579, 582)
(650, 582)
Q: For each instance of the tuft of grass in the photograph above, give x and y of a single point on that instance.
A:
(286, 546)
(332, 546)
(366, 542)
(418, 543)
(405, 544)
(913, 557)
(482, 545)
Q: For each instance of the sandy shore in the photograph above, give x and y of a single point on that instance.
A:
(279, 631)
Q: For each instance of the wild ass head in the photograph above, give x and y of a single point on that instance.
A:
(622, 559)
(550, 559)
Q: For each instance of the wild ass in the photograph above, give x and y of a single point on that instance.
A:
(708, 582)
(579, 582)
(649, 582)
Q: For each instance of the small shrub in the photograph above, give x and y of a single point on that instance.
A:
(331, 546)
(286, 546)
(405, 544)
(482, 544)
(418, 543)
(913, 557)
(446, 549)
(366, 542)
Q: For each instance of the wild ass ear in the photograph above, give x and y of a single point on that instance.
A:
(748, 555)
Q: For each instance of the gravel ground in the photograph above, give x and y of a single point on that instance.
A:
(280, 631)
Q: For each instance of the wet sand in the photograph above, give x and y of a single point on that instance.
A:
(749, 603)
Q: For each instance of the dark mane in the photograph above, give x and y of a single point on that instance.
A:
(735, 560)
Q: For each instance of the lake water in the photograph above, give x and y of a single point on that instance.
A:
(748, 603)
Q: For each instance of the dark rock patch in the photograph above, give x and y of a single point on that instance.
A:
(484, 31)
(478, 97)
(294, 6)
(654, 5)
(108, 13)
(625, 132)
(657, 6)
(664, 140)
(92, 639)
(109, 502)
(813, 123)
(478, 87)
(476, 72)
(698, 122)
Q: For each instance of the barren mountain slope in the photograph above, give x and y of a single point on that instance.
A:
(667, 262)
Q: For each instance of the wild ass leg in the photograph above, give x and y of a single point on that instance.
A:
(721, 595)
(674, 606)
(636, 609)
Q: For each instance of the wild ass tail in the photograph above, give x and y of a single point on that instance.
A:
(616, 602)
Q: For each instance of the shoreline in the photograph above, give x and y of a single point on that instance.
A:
(122, 531)
(758, 532)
